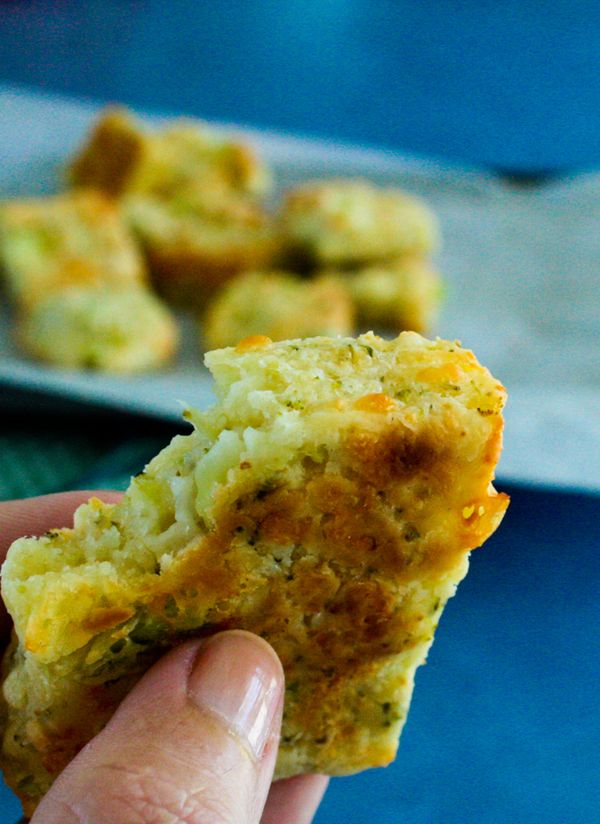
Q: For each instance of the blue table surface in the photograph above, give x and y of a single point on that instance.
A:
(511, 85)
(505, 720)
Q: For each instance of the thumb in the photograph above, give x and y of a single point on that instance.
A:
(194, 742)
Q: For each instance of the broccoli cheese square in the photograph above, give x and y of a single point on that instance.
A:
(353, 222)
(279, 305)
(123, 330)
(328, 502)
(401, 294)
(190, 194)
(193, 244)
(73, 239)
(123, 156)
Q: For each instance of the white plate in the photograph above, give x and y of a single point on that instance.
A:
(522, 269)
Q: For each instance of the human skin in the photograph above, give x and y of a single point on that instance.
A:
(195, 742)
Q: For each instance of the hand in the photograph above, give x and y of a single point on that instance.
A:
(195, 741)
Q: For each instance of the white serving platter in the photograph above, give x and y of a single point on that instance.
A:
(522, 268)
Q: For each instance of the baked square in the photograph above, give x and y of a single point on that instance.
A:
(328, 502)
(121, 155)
(353, 222)
(402, 294)
(73, 239)
(279, 305)
(194, 245)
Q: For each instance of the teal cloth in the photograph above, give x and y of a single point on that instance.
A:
(41, 463)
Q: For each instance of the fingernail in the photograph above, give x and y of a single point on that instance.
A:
(237, 677)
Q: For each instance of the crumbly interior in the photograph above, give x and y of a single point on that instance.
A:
(328, 502)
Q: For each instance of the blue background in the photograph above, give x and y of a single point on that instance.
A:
(514, 85)
(504, 725)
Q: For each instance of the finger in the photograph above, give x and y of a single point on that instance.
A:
(34, 516)
(294, 800)
(195, 741)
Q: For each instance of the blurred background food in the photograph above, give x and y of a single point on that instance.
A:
(73, 239)
(122, 156)
(189, 205)
(121, 330)
(191, 196)
(279, 305)
(401, 293)
(352, 222)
